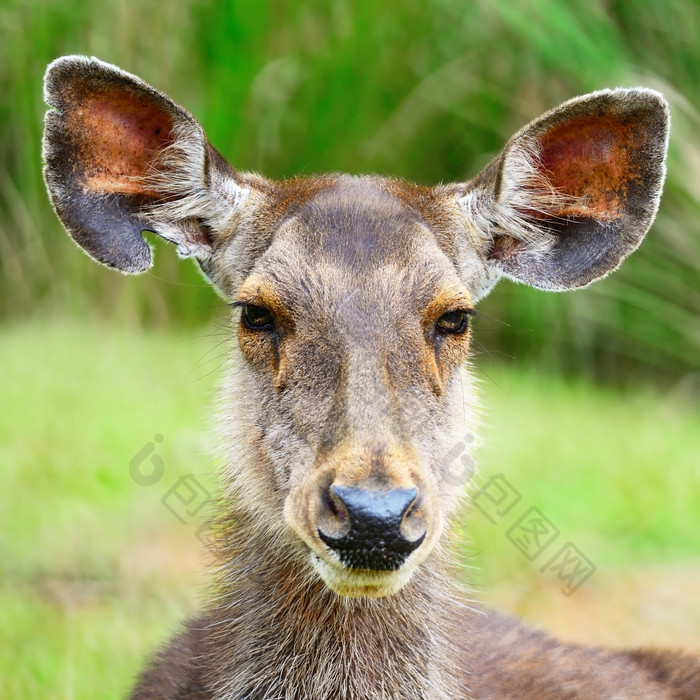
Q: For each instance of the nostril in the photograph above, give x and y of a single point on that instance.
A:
(413, 525)
(336, 506)
(411, 508)
(333, 519)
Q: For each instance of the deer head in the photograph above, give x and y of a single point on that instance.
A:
(352, 295)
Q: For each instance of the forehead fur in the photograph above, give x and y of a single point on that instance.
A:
(359, 223)
(357, 230)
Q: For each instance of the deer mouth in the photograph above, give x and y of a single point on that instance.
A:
(356, 583)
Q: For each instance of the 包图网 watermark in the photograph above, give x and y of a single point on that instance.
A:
(531, 532)
(185, 500)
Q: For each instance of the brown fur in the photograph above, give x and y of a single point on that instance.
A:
(355, 385)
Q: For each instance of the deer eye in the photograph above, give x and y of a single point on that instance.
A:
(453, 322)
(257, 318)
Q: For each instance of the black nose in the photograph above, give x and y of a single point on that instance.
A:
(374, 540)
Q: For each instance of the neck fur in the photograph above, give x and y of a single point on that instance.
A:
(278, 632)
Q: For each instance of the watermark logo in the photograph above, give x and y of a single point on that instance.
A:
(152, 475)
(572, 567)
(530, 531)
(185, 500)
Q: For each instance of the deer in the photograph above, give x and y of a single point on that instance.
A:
(351, 304)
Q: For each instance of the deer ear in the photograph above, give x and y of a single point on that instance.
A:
(574, 192)
(121, 158)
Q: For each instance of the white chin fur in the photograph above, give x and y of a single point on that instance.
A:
(355, 584)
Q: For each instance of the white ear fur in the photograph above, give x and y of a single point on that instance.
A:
(192, 188)
(522, 198)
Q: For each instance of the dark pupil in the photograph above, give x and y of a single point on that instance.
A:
(452, 322)
(256, 317)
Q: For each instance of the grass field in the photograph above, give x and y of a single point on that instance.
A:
(97, 570)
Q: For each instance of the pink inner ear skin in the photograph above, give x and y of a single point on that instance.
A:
(592, 158)
(120, 136)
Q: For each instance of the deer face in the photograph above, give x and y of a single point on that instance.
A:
(353, 327)
(352, 296)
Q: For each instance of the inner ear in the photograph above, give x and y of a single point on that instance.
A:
(595, 163)
(122, 138)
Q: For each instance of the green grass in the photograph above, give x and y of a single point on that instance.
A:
(427, 90)
(616, 472)
(96, 571)
(80, 605)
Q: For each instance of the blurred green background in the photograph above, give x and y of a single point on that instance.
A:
(425, 90)
(592, 397)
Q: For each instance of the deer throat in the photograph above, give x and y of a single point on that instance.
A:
(279, 632)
